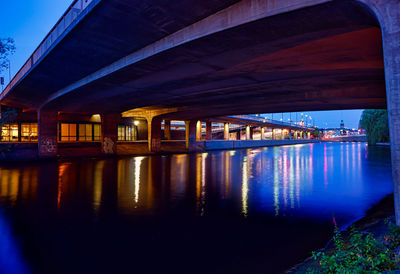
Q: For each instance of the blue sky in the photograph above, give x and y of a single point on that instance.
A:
(28, 22)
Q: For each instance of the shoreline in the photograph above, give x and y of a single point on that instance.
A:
(373, 222)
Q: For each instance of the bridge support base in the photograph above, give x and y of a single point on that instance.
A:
(190, 135)
(154, 134)
(167, 129)
(208, 131)
(47, 134)
(109, 129)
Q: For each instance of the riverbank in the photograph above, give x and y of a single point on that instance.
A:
(373, 222)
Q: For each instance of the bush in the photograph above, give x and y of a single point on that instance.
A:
(360, 253)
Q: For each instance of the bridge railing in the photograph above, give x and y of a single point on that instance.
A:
(265, 120)
(74, 10)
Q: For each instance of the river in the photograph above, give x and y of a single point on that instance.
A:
(244, 211)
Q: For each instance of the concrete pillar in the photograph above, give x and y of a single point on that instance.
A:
(47, 134)
(262, 133)
(154, 134)
(226, 131)
(208, 130)
(247, 132)
(198, 131)
(273, 134)
(388, 15)
(251, 133)
(167, 129)
(109, 129)
(308, 135)
(238, 135)
(190, 135)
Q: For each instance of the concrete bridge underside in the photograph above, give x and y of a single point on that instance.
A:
(322, 57)
(221, 57)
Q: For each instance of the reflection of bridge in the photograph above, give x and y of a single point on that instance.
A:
(194, 60)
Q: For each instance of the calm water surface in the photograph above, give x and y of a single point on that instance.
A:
(243, 211)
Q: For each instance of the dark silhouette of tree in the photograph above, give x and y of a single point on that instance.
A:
(375, 122)
(7, 115)
(7, 47)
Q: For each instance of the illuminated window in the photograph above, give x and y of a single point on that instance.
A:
(96, 132)
(85, 132)
(29, 132)
(121, 133)
(9, 133)
(127, 133)
(68, 132)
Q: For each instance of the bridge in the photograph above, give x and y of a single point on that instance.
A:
(107, 60)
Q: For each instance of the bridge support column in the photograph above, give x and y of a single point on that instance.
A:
(308, 135)
(208, 130)
(251, 133)
(273, 134)
(226, 131)
(198, 131)
(238, 133)
(154, 134)
(109, 129)
(247, 132)
(167, 129)
(262, 133)
(190, 135)
(47, 134)
(389, 17)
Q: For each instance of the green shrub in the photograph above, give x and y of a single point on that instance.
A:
(359, 253)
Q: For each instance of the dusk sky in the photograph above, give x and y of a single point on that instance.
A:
(28, 24)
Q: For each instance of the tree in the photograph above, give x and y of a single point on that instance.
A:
(7, 47)
(316, 133)
(375, 122)
(7, 115)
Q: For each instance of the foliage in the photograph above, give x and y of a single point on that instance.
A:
(392, 240)
(316, 133)
(7, 47)
(359, 253)
(375, 122)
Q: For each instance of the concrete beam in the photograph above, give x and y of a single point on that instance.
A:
(241, 13)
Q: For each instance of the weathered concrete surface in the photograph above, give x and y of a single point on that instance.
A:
(109, 128)
(154, 131)
(47, 133)
(268, 55)
(388, 14)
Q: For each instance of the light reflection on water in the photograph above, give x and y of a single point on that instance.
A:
(309, 182)
(289, 180)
